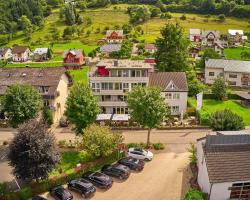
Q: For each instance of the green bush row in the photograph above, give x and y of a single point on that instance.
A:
(156, 146)
(36, 188)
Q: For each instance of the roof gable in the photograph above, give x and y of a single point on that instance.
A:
(169, 81)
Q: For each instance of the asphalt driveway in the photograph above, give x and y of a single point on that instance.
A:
(161, 179)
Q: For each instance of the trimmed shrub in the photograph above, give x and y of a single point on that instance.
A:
(158, 146)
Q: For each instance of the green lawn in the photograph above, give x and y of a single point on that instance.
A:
(210, 106)
(108, 17)
(80, 75)
(45, 64)
(69, 160)
(234, 53)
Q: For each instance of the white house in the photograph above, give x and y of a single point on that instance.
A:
(210, 37)
(20, 53)
(5, 54)
(235, 72)
(150, 48)
(223, 166)
(174, 89)
(235, 35)
(195, 35)
(113, 79)
(41, 54)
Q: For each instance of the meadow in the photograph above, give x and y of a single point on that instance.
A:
(116, 15)
(235, 53)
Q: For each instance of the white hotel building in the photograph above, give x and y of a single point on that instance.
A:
(113, 79)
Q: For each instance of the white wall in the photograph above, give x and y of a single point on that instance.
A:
(181, 102)
(220, 191)
(61, 99)
(210, 79)
(203, 179)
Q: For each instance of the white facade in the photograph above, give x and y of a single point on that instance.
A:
(21, 57)
(6, 55)
(177, 101)
(235, 73)
(111, 89)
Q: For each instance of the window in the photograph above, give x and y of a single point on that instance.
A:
(132, 73)
(44, 89)
(176, 96)
(113, 73)
(244, 83)
(107, 86)
(232, 75)
(175, 109)
(95, 87)
(211, 74)
(143, 73)
(232, 83)
(138, 73)
(118, 86)
(240, 190)
(125, 73)
(125, 87)
(245, 75)
(119, 74)
(168, 95)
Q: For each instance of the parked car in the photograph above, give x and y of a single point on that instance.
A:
(63, 122)
(141, 154)
(38, 198)
(116, 170)
(82, 186)
(99, 179)
(60, 193)
(132, 163)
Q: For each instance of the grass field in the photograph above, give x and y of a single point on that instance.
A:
(45, 64)
(80, 75)
(109, 17)
(210, 106)
(234, 53)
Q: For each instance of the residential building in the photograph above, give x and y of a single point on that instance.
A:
(113, 79)
(73, 59)
(210, 37)
(218, 48)
(194, 52)
(106, 49)
(41, 54)
(235, 72)
(21, 53)
(195, 35)
(223, 162)
(114, 36)
(150, 48)
(174, 89)
(52, 84)
(5, 54)
(235, 36)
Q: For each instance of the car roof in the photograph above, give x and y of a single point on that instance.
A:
(82, 182)
(135, 149)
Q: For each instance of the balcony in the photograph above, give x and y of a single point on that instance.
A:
(117, 79)
(247, 79)
(112, 103)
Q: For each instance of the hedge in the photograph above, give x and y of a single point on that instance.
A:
(36, 188)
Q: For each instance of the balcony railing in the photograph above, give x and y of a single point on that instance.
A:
(245, 79)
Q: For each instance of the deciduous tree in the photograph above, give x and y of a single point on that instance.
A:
(81, 107)
(219, 88)
(33, 152)
(147, 107)
(21, 103)
(100, 141)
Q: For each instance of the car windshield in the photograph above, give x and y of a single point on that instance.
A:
(133, 160)
(101, 176)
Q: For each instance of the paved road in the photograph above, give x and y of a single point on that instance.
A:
(161, 179)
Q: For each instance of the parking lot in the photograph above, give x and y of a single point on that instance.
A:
(161, 179)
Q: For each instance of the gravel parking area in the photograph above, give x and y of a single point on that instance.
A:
(161, 179)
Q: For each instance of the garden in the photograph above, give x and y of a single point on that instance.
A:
(212, 105)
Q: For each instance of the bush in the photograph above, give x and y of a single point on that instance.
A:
(226, 120)
(158, 146)
(193, 194)
(183, 17)
(193, 154)
(47, 116)
(219, 88)
(62, 143)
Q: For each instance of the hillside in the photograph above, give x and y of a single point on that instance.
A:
(109, 17)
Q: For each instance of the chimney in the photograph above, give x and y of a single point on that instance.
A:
(116, 63)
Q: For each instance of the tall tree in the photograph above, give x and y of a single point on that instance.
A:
(81, 107)
(172, 49)
(147, 107)
(33, 152)
(21, 103)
